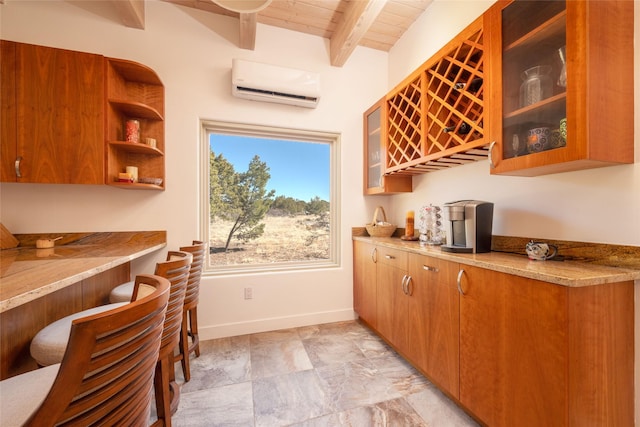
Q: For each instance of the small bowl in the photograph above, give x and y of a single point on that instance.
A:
(538, 139)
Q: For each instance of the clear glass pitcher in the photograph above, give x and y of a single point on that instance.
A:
(536, 86)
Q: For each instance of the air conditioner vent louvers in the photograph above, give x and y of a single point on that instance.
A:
(268, 92)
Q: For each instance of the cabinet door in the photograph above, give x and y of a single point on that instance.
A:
(375, 154)
(513, 349)
(365, 281)
(7, 111)
(60, 115)
(556, 68)
(391, 299)
(434, 320)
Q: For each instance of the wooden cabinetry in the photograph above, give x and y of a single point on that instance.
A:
(392, 303)
(571, 113)
(365, 282)
(134, 91)
(533, 353)
(417, 306)
(511, 350)
(436, 115)
(434, 320)
(375, 153)
(53, 115)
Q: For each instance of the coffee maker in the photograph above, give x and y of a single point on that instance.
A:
(468, 225)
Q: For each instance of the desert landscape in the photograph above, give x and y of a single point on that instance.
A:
(285, 238)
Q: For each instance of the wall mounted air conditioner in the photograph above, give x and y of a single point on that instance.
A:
(270, 83)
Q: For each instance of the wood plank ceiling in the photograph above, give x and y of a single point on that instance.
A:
(377, 24)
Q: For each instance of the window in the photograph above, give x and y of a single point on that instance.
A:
(269, 197)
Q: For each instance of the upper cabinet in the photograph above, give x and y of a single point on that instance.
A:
(52, 115)
(539, 87)
(436, 115)
(134, 94)
(375, 137)
(434, 119)
(60, 108)
(561, 78)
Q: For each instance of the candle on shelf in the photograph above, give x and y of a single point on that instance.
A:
(409, 229)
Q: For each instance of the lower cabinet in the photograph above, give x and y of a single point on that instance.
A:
(392, 303)
(365, 281)
(511, 350)
(434, 320)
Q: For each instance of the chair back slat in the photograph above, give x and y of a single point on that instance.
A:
(106, 374)
(176, 270)
(198, 250)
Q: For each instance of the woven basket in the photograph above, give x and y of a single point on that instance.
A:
(380, 229)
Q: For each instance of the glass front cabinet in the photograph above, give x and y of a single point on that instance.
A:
(561, 79)
(375, 136)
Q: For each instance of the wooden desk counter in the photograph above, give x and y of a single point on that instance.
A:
(39, 286)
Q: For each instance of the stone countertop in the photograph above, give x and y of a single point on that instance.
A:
(28, 273)
(565, 273)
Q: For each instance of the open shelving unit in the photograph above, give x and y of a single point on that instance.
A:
(134, 91)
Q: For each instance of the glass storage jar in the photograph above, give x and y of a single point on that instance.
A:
(536, 86)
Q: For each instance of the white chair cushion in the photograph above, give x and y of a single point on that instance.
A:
(122, 293)
(49, 345)
(21, 395)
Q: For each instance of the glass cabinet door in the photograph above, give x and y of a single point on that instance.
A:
(374, 167)
(534, 77)
(375, 162)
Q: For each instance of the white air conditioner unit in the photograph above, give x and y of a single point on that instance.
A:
(270, 83)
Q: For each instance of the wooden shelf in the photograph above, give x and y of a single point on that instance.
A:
(134, 91)
(135, 147)
(136, 109)
(135, 186)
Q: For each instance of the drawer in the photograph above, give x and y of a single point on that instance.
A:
(395, 257)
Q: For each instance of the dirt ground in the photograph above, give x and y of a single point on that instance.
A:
(284, 239)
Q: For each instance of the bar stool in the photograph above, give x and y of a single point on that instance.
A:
(167, 392)
(190, 310)
(106, 374)
(189, 327)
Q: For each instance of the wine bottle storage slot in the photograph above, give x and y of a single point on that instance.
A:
(436, 117)
(405, 123)
(455, 97)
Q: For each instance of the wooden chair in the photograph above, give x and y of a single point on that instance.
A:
(167, 391)
(190, 309)
(49, 342)
(106, 374)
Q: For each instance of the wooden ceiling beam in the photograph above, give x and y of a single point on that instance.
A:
(131, 12)
(248, 24)
(357, 19)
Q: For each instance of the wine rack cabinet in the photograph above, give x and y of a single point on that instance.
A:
(436, 115)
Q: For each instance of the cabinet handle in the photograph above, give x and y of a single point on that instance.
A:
(17, 166)
(404, 284)
(429, 268)
(374, 255)
(491, 164)
(459, 281)
(389, 257)
(408, 286)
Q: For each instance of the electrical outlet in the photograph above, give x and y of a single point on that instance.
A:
(248, 293)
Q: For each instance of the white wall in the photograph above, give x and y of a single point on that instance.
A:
(599, 205)
(191, 51)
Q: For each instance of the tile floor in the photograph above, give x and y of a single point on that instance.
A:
(337, 374)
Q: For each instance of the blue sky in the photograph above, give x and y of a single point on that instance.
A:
(298, 169)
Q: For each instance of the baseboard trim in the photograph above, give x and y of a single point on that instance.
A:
(274, 323)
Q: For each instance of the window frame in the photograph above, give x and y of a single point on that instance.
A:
(208, 126)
